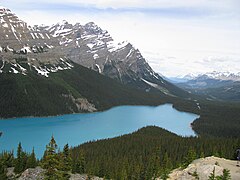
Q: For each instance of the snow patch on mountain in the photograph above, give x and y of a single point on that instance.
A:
(112, 46)
(211, 75)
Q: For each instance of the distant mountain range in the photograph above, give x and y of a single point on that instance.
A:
(29, 53)
(209, 75)
(214, 85)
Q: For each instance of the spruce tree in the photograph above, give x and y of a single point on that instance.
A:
(66, 162)
(19, 164)
(8, 159)
(226, 174)
(212, 175)
(167, 164)
(191, 156)
(32, 161)
(78, 165)
(51, 161)
(3, 173)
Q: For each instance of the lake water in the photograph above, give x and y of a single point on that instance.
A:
(79, 128)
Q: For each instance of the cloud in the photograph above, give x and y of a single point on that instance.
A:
(188, 7)
(137, 3)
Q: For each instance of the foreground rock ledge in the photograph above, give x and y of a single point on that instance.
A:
(204, 167)
(38, 174)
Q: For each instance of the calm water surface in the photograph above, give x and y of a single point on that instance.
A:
(78, 128)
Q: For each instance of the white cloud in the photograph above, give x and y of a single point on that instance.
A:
(138, 3)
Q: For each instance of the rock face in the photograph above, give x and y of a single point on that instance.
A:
(32, 173)
(38, 174)
(204, 167)
(48, 49)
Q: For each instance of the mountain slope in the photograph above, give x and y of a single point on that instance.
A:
(87, 45)
(75, 90)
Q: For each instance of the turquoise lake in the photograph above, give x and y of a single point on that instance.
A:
(75, 129)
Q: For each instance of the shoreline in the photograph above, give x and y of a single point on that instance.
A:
(98, 111)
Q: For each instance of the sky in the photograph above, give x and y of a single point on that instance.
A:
(176, 37)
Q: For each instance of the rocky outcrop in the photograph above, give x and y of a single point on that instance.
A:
(32, 173)
(204, 167)
(38, 174)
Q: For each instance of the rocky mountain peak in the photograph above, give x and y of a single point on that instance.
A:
(4, 10)
(87, 45)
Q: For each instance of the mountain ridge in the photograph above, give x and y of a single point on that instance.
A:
(88, 45)
(223, 86)
(218, 75)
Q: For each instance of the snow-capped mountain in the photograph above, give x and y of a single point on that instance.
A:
(222, 76)
(214, 85)
(212, 75)
(49, 49)
(182, 78)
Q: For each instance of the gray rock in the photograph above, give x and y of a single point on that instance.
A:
(204, 167)
(32, 174)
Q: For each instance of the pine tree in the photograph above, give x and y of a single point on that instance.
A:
(195, 174)
(212, 175)
(167, 162)
(19, 164)
(7, 159)
(191, 156)
(32, 161)
(164, 174)
(3, 173)
(51, 161)
(226, 174)
(66, 162)
(78, 165)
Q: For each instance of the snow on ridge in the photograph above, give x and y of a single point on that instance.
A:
(66, 42)
(14, 70)
(5, 25)
(225, 75)
(61, 31)
(90, 45)
(99, 69)
(41, 71)
(95, 56)
(10, 49)
(150, 83)
(112, 46)
(14, 32)
(26, 49)
(130, 52)
(222, 75)
(47, 36)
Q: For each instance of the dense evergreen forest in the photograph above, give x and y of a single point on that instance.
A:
(218, 119)
(150, 152)
(147, 153)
